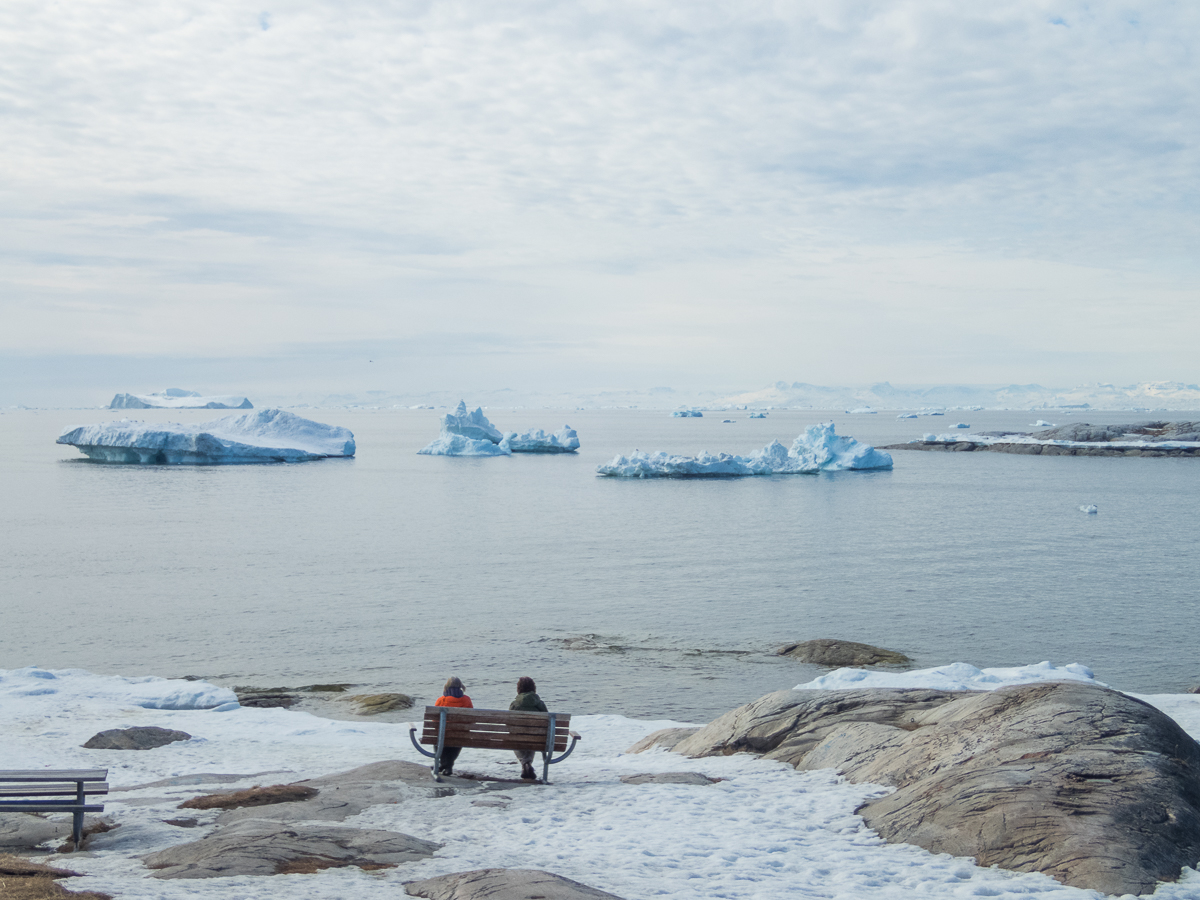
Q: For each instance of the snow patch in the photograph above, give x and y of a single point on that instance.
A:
(957, 676)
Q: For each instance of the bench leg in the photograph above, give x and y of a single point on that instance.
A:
(545, 768)
(77, 817)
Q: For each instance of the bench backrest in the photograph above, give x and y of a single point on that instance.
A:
(495, 729)
(53, 774)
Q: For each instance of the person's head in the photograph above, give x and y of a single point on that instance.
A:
(525, 685)
(453, 688)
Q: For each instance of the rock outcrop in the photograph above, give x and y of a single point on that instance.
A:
(664, 738)
(669, 778)
(504, 884)
(142, 737)
(835, 654)
(1085, 784)
(258, 847)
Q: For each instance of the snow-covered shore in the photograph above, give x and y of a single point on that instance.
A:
(764, 831)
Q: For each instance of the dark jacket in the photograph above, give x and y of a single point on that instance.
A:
(529, 702)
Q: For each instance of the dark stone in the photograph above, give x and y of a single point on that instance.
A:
(142, 737)
(835, 654)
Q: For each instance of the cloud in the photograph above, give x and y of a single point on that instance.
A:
(750, 182)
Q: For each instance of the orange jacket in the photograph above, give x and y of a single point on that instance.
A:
(463, 701)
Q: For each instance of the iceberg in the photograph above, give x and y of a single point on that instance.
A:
(458, 445)
(565, 440)
(907, 416)
(265, 435)
(474, 425)
(176, 398)
(1090, 509)
(687, 414)
(861, 411)
(471, 434)
(758, 415)
(819, 449)
(962, 425)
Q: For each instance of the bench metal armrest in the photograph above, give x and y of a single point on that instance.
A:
(412, 736)
(574, 740)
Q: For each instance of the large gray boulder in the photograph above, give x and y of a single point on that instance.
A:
(1082, 783)
(258, 847)
(835, 654)
(504, 884)
(142, 737)
(23, 831)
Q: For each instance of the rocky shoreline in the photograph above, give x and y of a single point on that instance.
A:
(1148, 439)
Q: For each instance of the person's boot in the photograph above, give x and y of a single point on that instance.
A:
(527, 773)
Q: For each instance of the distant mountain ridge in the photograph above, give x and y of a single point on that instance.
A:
(884, 395)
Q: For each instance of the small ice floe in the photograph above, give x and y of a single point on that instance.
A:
(819, 449)
(758, 415)
(565, 440)
(907, 416)
(265, 435)
(962, 425)
(687, 414)
(1089, 508)
(727, 421)
(861, 411)
(1042, 423)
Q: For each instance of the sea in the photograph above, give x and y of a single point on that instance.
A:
(662, 599)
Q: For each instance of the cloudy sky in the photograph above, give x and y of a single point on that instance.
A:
(419, 195)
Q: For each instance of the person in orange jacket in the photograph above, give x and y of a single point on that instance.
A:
(452, 695)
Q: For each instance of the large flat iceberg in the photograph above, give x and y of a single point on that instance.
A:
(265, 435)
(819, 449)
(471, 434)
(176, 398)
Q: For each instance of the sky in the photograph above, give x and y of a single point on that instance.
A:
(321, 196)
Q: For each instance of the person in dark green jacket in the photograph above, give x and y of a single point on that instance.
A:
(527, 701)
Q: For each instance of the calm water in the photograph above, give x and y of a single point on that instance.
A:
(393, 570)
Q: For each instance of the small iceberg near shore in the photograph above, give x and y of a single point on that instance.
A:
(265, 435)
(819, 449)
(472, 434)
(176, 398)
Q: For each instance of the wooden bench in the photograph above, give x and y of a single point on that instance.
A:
(495, 729)
(53, 790)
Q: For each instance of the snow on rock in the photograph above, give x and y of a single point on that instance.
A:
(265, 435)
(565, 440)
(458, 445)
(74, 686)
(818, 449)
(176, 398)
(953, 677)
(474, 425)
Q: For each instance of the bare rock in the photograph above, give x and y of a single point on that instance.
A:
(141, 737)
(1085, 784)
(835, 654)
(346, 794)
(252, 797)
(669, 778)
(258, 847)
(267, 698)
(374, 704)
(23, 831)
(664, 738)
(504, 884)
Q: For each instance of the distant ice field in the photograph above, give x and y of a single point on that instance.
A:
(393, 570)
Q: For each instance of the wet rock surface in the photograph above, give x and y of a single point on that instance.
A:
(504, 884)
(142, 737)
(669, 778)
(1077, 781)
(837, 653)
(258, 847)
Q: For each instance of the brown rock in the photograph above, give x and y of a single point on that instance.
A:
(665, 738)
(255, 796)
(504, 884)
(1085, 784)
(373, 704)
(835, 654)
(143, 737)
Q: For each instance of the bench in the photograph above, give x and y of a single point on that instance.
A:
(53, 790)
(494, 729)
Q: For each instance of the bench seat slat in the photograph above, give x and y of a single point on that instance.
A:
(490, 715)
(50, 790)
(49, 806)
(53, 774)
(497, 744)
(455, 728)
